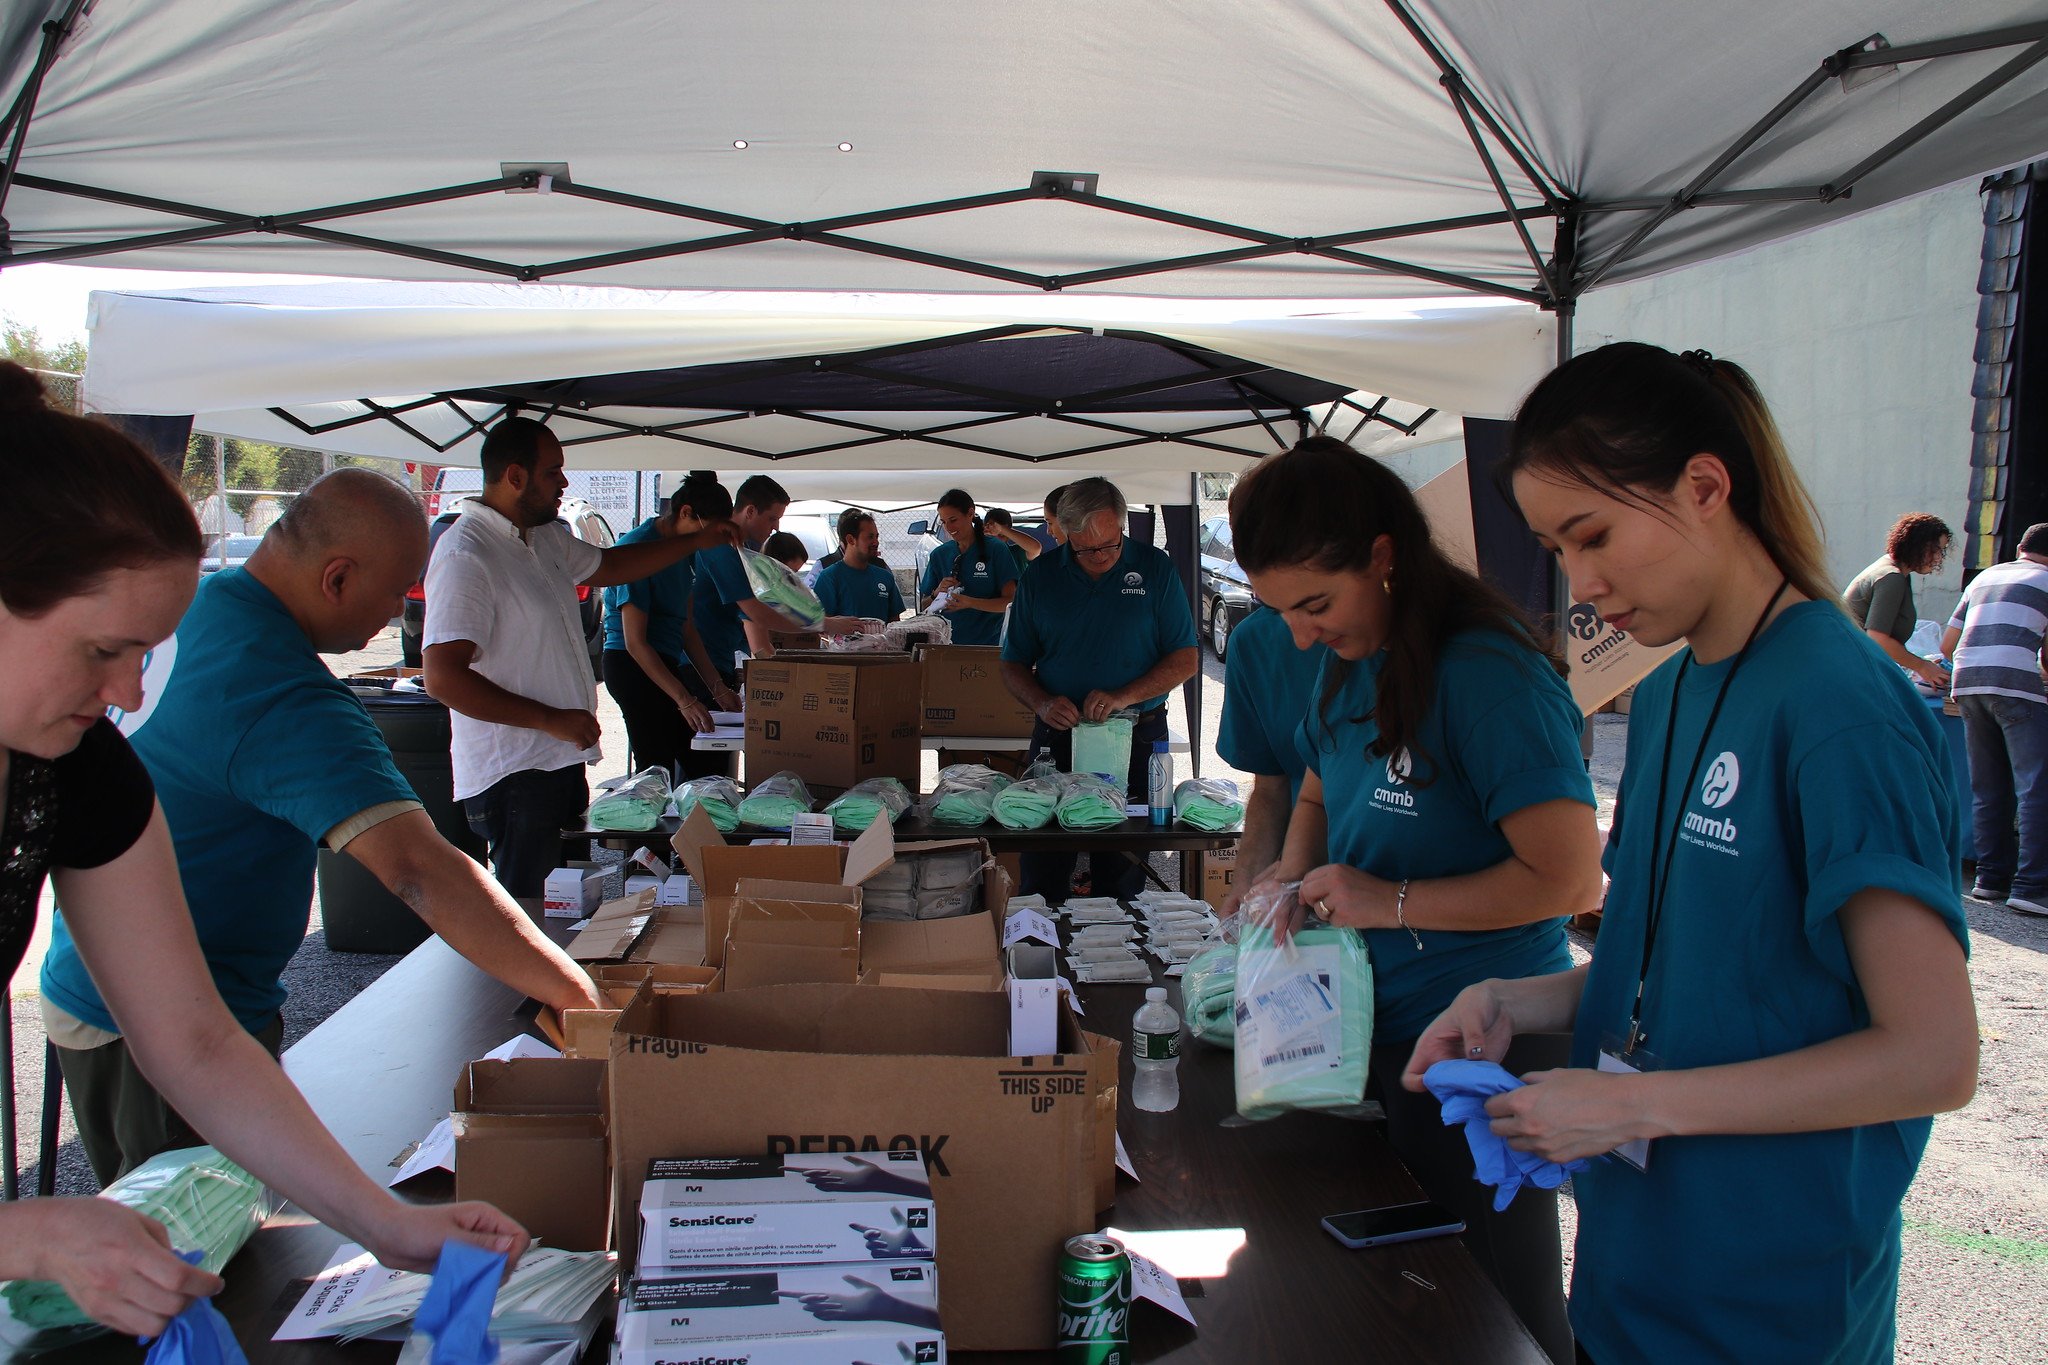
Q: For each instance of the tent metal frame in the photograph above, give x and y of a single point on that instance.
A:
(1262, 408)
(1554, 282)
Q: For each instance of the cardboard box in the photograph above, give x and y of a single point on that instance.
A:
(783, 1315)
(787, 1208)
(783, 932)
(720, 867)
(530, 1138)
(1017, 1148)
(588, 1032)
(833, 720)
(964, 694)
(1034, 998)
(1219, 874)
(614, 928)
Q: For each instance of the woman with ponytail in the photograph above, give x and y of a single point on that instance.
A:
(1779, 998)
(655, 664)
(978, 575)
(1445, 812)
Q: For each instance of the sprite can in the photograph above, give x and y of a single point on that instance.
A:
(1095, 1302)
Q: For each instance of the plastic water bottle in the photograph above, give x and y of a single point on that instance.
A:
(1155, 1054)
(1159, 776)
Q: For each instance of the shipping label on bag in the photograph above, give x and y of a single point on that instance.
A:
(1292, 1026)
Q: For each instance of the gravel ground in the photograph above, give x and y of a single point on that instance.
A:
(1975, 1271)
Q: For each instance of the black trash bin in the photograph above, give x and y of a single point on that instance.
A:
(359, 915)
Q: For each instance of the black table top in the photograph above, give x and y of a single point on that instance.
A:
(1137, 835)
(381, 1070)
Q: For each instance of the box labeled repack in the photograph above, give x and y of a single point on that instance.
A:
(785, 1209)
(785, 1315)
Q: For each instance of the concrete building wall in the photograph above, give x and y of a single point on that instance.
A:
(1860, 336)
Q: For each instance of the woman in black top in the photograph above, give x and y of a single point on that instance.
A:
(99, 558)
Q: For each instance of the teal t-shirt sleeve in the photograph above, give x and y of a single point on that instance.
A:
(1523, 749)
(1866, 819)
(1241, 740)
(1174, 621)
(1021, 644)
(934, 570)
(728, 576)
(313, 760)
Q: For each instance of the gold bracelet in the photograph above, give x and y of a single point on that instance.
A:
(1400, 900)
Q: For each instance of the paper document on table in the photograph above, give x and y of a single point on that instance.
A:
(1073, 996)
(1149, 1281)
(350, 1274)
(550, 1295)
(521, 1045)
(733, 720)
(1024, 924)
(436, 1151)
(1123, 1159)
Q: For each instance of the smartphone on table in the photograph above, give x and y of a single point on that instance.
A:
(1393, 1223)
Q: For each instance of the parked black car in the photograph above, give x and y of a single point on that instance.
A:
(1226, 593)
(581, 518)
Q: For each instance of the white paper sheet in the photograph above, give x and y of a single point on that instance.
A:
(1123, 1159)
(1023, 924)
(435, 1152)
(349, 1272)
(521, 1046)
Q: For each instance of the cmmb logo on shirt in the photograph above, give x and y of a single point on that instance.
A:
(1723, 779)
(1392, 796)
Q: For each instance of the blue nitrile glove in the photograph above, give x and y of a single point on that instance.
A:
(197, 1336)
(457, 1309)
(1463, 1088)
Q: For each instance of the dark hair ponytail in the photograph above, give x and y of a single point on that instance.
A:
(704, 495)
(83, 501)
(1322, 505)
(1627, 418)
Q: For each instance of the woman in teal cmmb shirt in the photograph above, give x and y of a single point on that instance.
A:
(1779, 998)
(1445, 813)
(978, 575)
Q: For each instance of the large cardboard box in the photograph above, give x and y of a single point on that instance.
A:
(530, 1138)
(720, 867)
(1012, 1143)
(833, 720)
(588, 1032)
(1219, 874)
(964, 694)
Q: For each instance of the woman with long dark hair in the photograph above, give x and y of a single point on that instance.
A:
(1779, 998)
(1445, 814)
(99, 557)
(978, 575)
(655, 664)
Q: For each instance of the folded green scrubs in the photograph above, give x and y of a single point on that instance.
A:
(1026, 805)
(719, 796)
(1208, 987)
(773, 804)
(634, 804)
(1304, 1021)
(862, 804)
(1104, 747)
(1090, 803)
(1208, 803)
(963, 795)
(781, 589)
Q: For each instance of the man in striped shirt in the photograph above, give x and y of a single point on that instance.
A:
(1995, 640)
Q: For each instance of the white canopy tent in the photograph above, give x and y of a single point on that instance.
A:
(1203, 148)
(307, 364)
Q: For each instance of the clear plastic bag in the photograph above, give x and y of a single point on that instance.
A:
(1209, 803)
(719, 796)
(1103, 747)
(206, 1203)
(964, 795)
(923, 629)
(775, 801)
(1030, 804)
(1301, 1010)
(1208, 991)
(1087, 802)
(779, 586)
(631, 803)
(865, 802)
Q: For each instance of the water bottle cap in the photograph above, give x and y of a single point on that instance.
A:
(1159, 746)
(1155, 993)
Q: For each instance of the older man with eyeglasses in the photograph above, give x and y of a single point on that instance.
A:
(1098, 626)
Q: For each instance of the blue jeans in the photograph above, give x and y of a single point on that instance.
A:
(2007, 739)
(522, 818)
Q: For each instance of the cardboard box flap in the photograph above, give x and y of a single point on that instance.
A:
(823, 1018)
(962, 945)
(613, 928)
(689, 841)
(873, 851)
(531, 1085)
(795, 900)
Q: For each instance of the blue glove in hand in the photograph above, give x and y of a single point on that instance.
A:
(197, 1336)
(1463, 1088)
(457, 1309)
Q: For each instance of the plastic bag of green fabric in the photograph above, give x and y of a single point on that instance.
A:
(1302, 1011)
(631, 803)
(1088, 802)
(1208, 988)
(1209, 803)
(774, 803)
(206, 1203)
(776, 584)
(864, 802)
(1029, 804)
(964, 795)
(719, 796)
(1103, 747)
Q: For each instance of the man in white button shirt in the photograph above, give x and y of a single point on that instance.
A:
(504, 649)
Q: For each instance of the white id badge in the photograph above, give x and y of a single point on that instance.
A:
(1637, 1153)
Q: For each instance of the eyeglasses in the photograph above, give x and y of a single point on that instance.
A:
(1109, 549)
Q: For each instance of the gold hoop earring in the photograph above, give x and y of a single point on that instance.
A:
(1387, 585)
